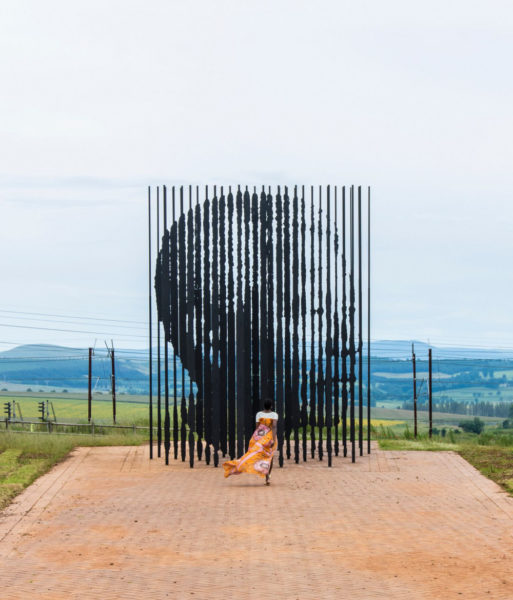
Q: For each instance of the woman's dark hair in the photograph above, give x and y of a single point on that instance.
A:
(268, 404)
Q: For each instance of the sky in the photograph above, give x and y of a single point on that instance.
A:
(101, 99)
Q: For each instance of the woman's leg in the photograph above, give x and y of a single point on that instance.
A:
(268, 476)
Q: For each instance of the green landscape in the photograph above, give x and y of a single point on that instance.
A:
(472, 408)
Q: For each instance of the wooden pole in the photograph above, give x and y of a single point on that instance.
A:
(430, 393)
(89, 389)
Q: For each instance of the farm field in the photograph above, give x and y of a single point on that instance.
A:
(133, 409)
(73, 407)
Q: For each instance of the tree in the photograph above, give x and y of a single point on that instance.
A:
(475, 425)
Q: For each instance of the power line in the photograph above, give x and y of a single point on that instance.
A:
(73, 331)
(19, 312)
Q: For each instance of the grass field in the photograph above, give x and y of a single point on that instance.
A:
(73, 407)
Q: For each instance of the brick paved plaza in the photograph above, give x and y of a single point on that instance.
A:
(108, 523)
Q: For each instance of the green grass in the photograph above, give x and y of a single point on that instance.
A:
(24, 457)
(74, 409)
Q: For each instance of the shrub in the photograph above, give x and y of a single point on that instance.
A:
(475, 425)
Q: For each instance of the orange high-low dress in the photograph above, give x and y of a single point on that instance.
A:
(258, 458)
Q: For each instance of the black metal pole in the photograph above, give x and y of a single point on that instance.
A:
(207, 344)
(215, 391)
(328, 388)
(89, 388)
(149, 328)
(320, 311)
(191, 412)
(256, 366)
(295, 322)
(240, 337)
(231, 335)
(369, 422)
(246, 350)
(198, 308)
(287, 315)
(430, 393)
(313, 387)
(352, 358)
(360, 326)
(182, 281)
(113, 368)
(167, 424)
(279, 324)
(175, 321)
(304, 376)
(159, 402)
(223, 355)
(336, 334)
(344, 351)
(414, 390)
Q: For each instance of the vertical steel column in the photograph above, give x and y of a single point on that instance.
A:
(271, 350)
(352, 358)
(207, 344)
(150, 416)
(240, 337)
(175, 321)
(191, 413)
(368, 325)
(287, 315)
(113, 369)
(313, 387)
(159, 400)
(231, 333)
(223, 374)
(263, 316)
(336, 334)
(304, 376)
(215, 391)
(255, 313)
(360, 326)
(198, 350)
(246, 350)
(430, 393)
(414, 390)
(328, 388)
(279, 324)
(345, 353)
(182, 291)
(166, 287)
(320, 311)
(89, 381)
(295, 323)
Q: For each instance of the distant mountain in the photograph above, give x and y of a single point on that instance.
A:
(402, 349)
(48, 367)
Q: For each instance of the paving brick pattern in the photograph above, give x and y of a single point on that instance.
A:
(108, 523)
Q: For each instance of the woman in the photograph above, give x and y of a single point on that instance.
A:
(262, 445)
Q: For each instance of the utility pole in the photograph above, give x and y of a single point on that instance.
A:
(113, 381)
(414, 390)
(89, 381)
(430, 394)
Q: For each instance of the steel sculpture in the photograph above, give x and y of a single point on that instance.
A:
(258, 299)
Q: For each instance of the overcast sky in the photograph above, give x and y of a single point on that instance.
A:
(100, 99)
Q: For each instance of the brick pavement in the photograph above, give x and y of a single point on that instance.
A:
(108, 523)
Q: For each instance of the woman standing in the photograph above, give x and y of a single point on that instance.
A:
(262, 445)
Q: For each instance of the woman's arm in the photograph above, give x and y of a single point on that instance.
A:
(275, 431)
